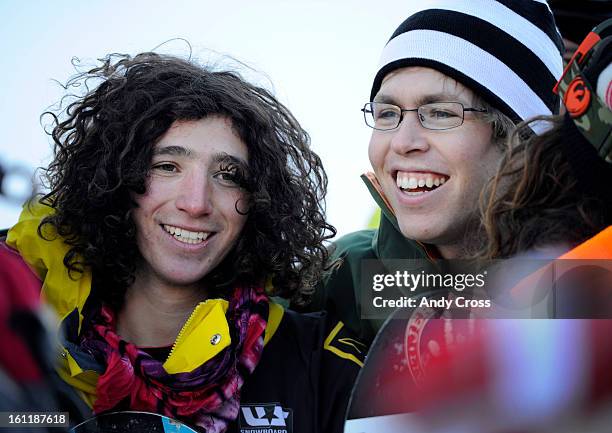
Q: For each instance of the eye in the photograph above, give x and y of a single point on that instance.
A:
(166, 167)
(225, 176)
(228, 176)
(442, 110)
(386, 114)
(438, 113)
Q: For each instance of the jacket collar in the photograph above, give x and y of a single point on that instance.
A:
(388, 241)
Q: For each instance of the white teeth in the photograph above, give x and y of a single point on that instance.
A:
(406, 182)
(186, 236)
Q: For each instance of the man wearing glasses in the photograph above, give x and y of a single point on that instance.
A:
(452, 82)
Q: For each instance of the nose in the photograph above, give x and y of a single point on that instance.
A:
(410, 136)
(195, 195)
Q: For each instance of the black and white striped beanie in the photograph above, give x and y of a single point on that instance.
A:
(507, 51)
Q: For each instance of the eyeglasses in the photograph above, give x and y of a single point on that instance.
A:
(437, 115)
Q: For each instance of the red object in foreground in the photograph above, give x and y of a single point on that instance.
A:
(19, 298)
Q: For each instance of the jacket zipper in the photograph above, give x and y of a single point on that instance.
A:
(182, 331)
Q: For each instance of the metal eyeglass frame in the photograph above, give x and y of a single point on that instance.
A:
(367, 111)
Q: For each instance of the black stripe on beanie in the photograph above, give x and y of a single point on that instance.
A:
(482, 91)
(490, 38)
(539, 15)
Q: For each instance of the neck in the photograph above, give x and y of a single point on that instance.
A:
(449, 252)
(465, 247)
(154, 311)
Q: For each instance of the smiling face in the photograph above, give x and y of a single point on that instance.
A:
(187, 220)
(432, 179)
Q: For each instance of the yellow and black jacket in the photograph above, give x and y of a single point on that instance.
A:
(306, 371)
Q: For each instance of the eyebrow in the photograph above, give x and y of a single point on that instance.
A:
(222, 157)
(217, 158)
(173, 151)
(421, 100)
(385, 99)
(439, 97)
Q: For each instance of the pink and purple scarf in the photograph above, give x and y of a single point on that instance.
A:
(208, 397)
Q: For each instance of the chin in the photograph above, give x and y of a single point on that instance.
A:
(419, 229)
(185, 280)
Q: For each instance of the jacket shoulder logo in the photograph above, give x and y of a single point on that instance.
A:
(265, 418)
(356, 345)
(340, 342)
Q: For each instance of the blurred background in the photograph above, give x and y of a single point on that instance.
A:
(318, 57)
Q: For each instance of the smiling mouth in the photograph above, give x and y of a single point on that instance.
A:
(186, 236)
(417, 183)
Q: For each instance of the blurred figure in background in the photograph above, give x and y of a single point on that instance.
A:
(576, 18)
(559, 182)
(16, 184)
(26, 379)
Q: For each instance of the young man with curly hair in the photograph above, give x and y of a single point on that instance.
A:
(181, 199)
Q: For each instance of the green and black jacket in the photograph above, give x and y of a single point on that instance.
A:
(340, 292)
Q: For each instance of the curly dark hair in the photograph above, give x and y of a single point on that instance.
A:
(103, 145)
(539, 195)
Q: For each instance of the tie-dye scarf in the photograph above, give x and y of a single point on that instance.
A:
(208, 398)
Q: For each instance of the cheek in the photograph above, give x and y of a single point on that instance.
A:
(242, 203)
(493, 157)
(376, 152)
(142, 232)
(475, 152)
(239, 222)
(488, 156)
(479, 164)
(155, 193)
(235, 219)
(138, 212)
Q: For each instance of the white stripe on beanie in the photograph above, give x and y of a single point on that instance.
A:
(510, 22)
